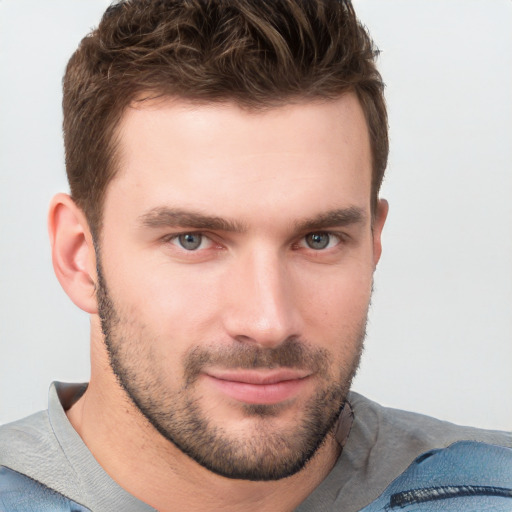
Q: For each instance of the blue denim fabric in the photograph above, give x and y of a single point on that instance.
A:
(465, 477)
(19, 493)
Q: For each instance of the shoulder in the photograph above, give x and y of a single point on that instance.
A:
(19, 493)
(378, 426)
(31, 458)
(385, 443)
(25, 441)
(467, 475)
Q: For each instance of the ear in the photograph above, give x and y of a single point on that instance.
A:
(378, 224)
(73, 256)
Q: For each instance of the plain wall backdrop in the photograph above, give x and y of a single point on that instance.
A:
(440, 332)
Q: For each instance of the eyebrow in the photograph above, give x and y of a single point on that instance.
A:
(174, 217)
(334, 218)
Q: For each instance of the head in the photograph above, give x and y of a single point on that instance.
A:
(224, 161)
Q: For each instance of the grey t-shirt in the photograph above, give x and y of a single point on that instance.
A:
(382, 444)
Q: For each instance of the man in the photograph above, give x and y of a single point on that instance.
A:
(224, 224)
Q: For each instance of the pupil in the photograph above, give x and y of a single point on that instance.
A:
(190, 241)
(318, 240)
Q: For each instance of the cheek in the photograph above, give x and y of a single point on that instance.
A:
(168, 300)
(162, 314)
(338, 303)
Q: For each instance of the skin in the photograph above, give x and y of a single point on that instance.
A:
(253, 284)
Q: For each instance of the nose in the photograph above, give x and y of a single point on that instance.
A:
(261, 306)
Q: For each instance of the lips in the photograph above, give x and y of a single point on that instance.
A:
(258, 387)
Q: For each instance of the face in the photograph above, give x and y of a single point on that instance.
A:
(234, 276)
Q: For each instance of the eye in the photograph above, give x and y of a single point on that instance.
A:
(321, 240)
(191, 241)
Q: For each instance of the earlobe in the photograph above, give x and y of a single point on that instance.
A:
(378, 224)
(73, 255)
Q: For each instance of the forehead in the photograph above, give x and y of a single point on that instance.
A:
(219, 156)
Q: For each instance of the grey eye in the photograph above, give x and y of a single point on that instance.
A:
(318, 241)
(190, 241)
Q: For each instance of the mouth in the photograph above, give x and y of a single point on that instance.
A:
(259, 386)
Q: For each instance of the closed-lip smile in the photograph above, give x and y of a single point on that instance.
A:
(259, 386)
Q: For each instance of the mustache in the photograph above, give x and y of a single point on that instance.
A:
(291, 353)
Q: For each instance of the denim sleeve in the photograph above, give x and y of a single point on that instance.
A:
(466, 476)
(19, 493)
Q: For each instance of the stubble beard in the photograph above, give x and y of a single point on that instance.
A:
(267, 453)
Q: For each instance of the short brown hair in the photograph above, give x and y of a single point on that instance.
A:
(256, 53)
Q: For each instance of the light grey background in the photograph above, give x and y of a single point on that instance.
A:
(440, 333)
